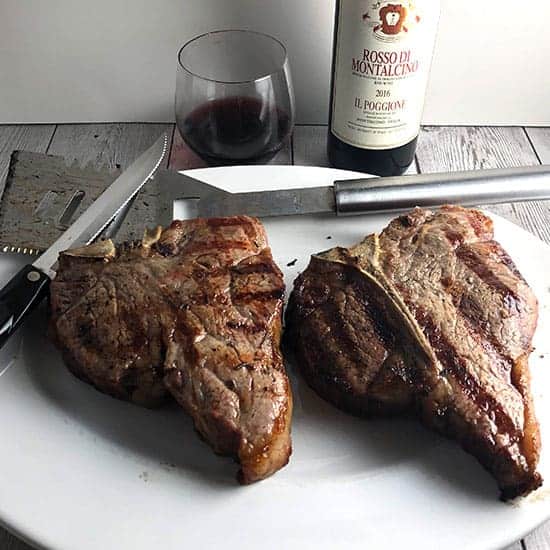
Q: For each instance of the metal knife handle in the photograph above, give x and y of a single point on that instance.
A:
(19, 297)
(469, 188)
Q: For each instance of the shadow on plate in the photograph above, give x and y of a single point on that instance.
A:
(328, 446)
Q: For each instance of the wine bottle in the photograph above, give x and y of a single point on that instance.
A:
(381, 60)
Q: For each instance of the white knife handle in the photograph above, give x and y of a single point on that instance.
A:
(431, 190)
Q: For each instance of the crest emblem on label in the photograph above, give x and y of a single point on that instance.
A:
(391, 21)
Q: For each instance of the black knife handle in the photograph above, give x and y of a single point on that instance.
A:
(19, 297)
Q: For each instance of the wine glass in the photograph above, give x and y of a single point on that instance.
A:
(234, 97)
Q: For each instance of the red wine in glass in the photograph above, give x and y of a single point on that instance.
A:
(236, 130)
(234, 97)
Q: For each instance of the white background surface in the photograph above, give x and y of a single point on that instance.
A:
(115, 60)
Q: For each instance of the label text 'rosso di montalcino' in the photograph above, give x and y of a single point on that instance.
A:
(384, 63)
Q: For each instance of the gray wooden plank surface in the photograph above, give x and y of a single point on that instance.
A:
(465, 148)
(109, 145)
(539, 539)
(183, 158)
(540, 138)
(30, 138)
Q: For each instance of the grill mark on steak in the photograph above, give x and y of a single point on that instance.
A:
(449, 356)
(190, 247)
(336, 387)
(232, 222)
(454, 237)
(249, 328)
(249, 268)
(372, 311)
(476, 263)
(484, 337)
(249, 228)
(214, 244)
(341, 331)
(471, 313)
(454, 364)
(262, 295)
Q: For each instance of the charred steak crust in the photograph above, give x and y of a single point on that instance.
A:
(193, 311)
(432, 317)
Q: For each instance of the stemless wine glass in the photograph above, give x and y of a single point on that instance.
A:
(234, 96)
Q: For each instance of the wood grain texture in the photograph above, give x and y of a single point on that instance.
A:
(29, 138)
(539, 539)
(106, 145)
(182, 156)
(468, 148)
(310, 144)
(540, 139)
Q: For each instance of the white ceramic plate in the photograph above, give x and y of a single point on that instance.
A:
(79, 470)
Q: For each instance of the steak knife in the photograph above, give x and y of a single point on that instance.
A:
(359, 196)
(30, 285)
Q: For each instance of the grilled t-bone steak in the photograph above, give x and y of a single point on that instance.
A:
(193, 311)
(430, 316)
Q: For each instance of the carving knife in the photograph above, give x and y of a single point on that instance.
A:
(359, 196)
(30, 285)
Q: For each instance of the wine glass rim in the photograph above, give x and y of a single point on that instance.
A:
(222, 31)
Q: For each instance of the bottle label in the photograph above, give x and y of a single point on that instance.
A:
(383, 57)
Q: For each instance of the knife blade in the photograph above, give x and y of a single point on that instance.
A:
(29, 286)
(362, 196)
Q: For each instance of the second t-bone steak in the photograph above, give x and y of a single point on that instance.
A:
(430, 316)
(193, 311)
